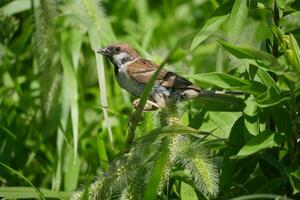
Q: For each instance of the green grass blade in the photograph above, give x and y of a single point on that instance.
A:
(11, 134)
(71, 89)
(36, 190)
(30, 193)
(100, 32)
(157, 173)
(17, 6)
(102, 154)
(261, 196)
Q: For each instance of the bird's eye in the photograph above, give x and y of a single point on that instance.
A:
(118, 49)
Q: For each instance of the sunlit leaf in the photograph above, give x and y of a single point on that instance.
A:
(241, 52)
(230, 82)
(295, 179)
(236, 20)
(17, 6)
(260, 142)
(212, 24)
(208, 29)
(251, 119)
(28, 192)
(270, 98)
(187, 192)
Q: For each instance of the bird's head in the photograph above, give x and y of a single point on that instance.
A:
(118, 54)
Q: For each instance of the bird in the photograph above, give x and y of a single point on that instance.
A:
(133, 72)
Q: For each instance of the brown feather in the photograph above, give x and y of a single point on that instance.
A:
(141, 70)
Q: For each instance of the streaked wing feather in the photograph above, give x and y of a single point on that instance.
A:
(141, 70)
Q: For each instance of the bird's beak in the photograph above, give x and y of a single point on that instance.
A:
(104, 51)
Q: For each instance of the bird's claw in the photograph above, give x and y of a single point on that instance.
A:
(150, 105)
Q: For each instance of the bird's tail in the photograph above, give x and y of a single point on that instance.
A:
(212, 93)
(192, 93)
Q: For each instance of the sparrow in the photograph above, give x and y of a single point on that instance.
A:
(133, 72)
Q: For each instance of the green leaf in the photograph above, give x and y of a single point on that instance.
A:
(70, 82)
(270, 98)
(219, 103)
(236, 20)
(208, 29)
(17, 6)
(267, 79)
(102, 154)
(247, 53)
(157, 173)
(251, 116)
(72, 167)
(35, 190)
(261, 196)
(187, 192)
(30, 193)
(230, 82)
(218, 17)
(236, 141)
(262, 141)
(295, 180)
(167, 131)
(295, 61)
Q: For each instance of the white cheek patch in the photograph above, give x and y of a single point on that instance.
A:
(119, 57)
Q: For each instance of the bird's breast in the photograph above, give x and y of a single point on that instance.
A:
(127, 83)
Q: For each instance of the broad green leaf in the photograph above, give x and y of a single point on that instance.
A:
(282, 119)
(241, 52)
(208, 29)
(260, 142)
(219, 103)
(270, 98)
(236, 20)
(219, 123)
(251, 116)
(230, 82)
(289, 22)
(295, 180)
(236, 141)
(28, 192)
(267, 79)
(268, 3)
(187, 192)
(218, 17)
(295, 61)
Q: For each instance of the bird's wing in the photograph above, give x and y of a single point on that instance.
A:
(141, 70)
